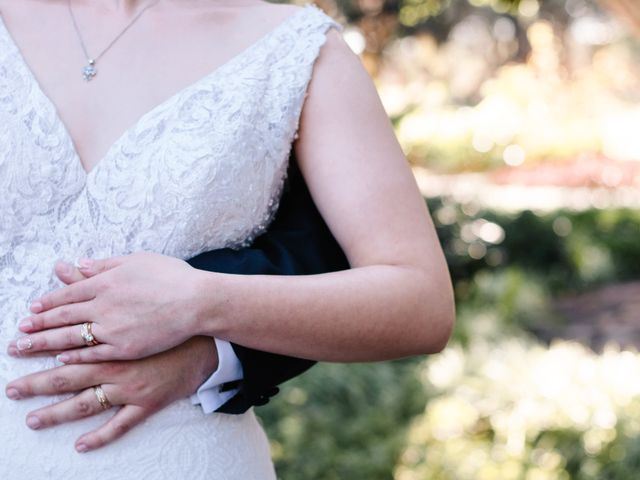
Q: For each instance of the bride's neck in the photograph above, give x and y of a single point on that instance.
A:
(127, 6)
(130, 7)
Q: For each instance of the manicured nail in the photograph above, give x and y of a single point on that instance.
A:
(24, 343)
(13, 394)
(85, 263)
(33, 423)
(13, 351)
(82, 448)
(64, 268)
(62, 358)
(25, 325)
(36, 307)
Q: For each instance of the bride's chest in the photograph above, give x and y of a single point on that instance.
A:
(203, 170)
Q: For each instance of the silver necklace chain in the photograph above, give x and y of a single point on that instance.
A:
(90, 70)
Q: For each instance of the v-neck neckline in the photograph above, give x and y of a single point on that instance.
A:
(153, 110)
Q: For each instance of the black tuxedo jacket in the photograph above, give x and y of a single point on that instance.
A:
(298, 242)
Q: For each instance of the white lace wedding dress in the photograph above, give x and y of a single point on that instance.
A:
(200, 171)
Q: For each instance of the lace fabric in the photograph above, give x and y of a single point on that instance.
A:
(202, 170)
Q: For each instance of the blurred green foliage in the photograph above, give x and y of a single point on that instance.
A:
(344, 421)
(415, 12)
(351, 421)
(514, 409)
(505, 281)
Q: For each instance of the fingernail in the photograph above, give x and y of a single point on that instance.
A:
(24, 343)
(64, 268)
(25, 325)
(13, 394)
(33, 423)
(82, 448)
(62, 358)
(85, 263)
(13, 351)
(36, 307)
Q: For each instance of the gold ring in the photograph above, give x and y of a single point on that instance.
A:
(87, 334)
(102, 397)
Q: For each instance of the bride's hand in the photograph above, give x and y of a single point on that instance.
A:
(139, 387)
(135, 305)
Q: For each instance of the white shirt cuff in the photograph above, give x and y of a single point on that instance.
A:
(229, 369)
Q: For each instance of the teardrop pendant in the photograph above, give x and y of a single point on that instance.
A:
(89, 71)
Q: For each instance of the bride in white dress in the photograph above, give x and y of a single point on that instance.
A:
(85, 173)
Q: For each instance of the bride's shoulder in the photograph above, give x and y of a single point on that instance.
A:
(275, 14)
(251, 15)
(272, 13)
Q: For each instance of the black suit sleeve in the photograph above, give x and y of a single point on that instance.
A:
(298, 242)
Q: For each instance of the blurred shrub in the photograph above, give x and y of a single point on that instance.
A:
(506, 267)
(343, 421)
(572, 250)
(518, 410)
(499, 408)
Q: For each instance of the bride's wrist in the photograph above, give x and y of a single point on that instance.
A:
(208, 303)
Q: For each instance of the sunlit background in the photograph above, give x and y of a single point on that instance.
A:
(521, 120)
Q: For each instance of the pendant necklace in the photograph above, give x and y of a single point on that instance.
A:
(90, 70)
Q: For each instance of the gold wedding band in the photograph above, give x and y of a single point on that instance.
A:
(87, 334)
(102, 397)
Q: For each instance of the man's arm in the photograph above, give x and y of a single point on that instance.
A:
(298, 242)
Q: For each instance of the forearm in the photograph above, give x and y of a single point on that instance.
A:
(367, 313)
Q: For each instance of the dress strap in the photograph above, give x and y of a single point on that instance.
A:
(289, 60)
(316, 20)
(310, 31)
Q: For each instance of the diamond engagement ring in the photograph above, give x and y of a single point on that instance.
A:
(87, 334)
(102, 397)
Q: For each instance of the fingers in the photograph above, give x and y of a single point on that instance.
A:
(65, 315)
(89, 267)
(77, 378)
(74, 293)
(99, 353)
(127, 417)
(85, 404)
(55, 339)
(82, 405)
(14, 352)
(76, 290)
(56, 381)
(68, 273)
